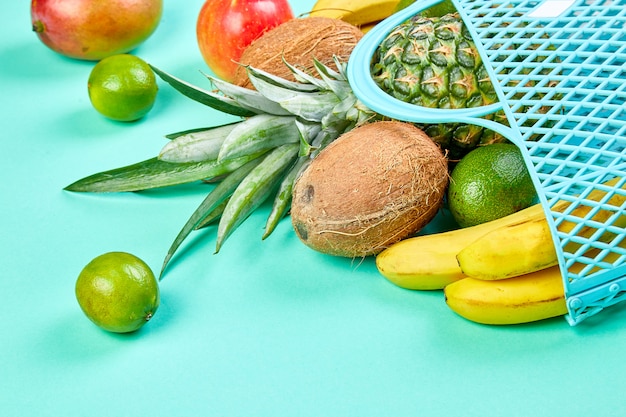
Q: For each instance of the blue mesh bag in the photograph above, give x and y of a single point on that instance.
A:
(559, 71)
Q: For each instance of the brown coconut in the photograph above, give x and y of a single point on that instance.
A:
(373, 186)
(299, 41)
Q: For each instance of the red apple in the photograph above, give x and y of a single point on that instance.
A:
(92, 30)
(226, 27)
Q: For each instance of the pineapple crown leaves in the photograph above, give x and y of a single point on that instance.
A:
(284, 124)
(197, 154)
(309, 97)
(313, 110)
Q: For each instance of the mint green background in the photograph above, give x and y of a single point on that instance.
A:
(264, 328)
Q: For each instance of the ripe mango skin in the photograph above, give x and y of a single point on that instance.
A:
(93, 30)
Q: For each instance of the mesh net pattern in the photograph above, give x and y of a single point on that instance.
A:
(559, 69)
(563, 81)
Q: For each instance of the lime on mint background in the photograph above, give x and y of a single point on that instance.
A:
(265, 328)
(118, 292)
(122, 87)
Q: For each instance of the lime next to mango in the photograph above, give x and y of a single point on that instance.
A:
(122, 87)
(118, 292)
(488, 183)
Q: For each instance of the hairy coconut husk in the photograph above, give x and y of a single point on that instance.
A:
(298, 41)
(373, 186)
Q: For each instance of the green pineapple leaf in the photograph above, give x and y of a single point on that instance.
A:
(212, 202)
(154, 173)
(208, 98)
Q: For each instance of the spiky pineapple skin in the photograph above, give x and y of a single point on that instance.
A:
(433, 62)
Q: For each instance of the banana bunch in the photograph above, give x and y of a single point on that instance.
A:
(500, 272)
(361, 13)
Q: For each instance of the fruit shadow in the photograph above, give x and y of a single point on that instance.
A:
(71, 338)
(31, 61)
(85, 124)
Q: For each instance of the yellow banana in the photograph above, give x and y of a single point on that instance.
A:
(531, 297)
(518, 249)
(509, 251)
(429, 262)
(356, 12)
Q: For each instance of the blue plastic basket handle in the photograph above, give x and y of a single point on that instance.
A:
(566, 111)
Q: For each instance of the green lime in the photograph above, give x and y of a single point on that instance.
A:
(488, 183)
(122, 87)
(118, 292)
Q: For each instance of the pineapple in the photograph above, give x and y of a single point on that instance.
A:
(433, 62)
